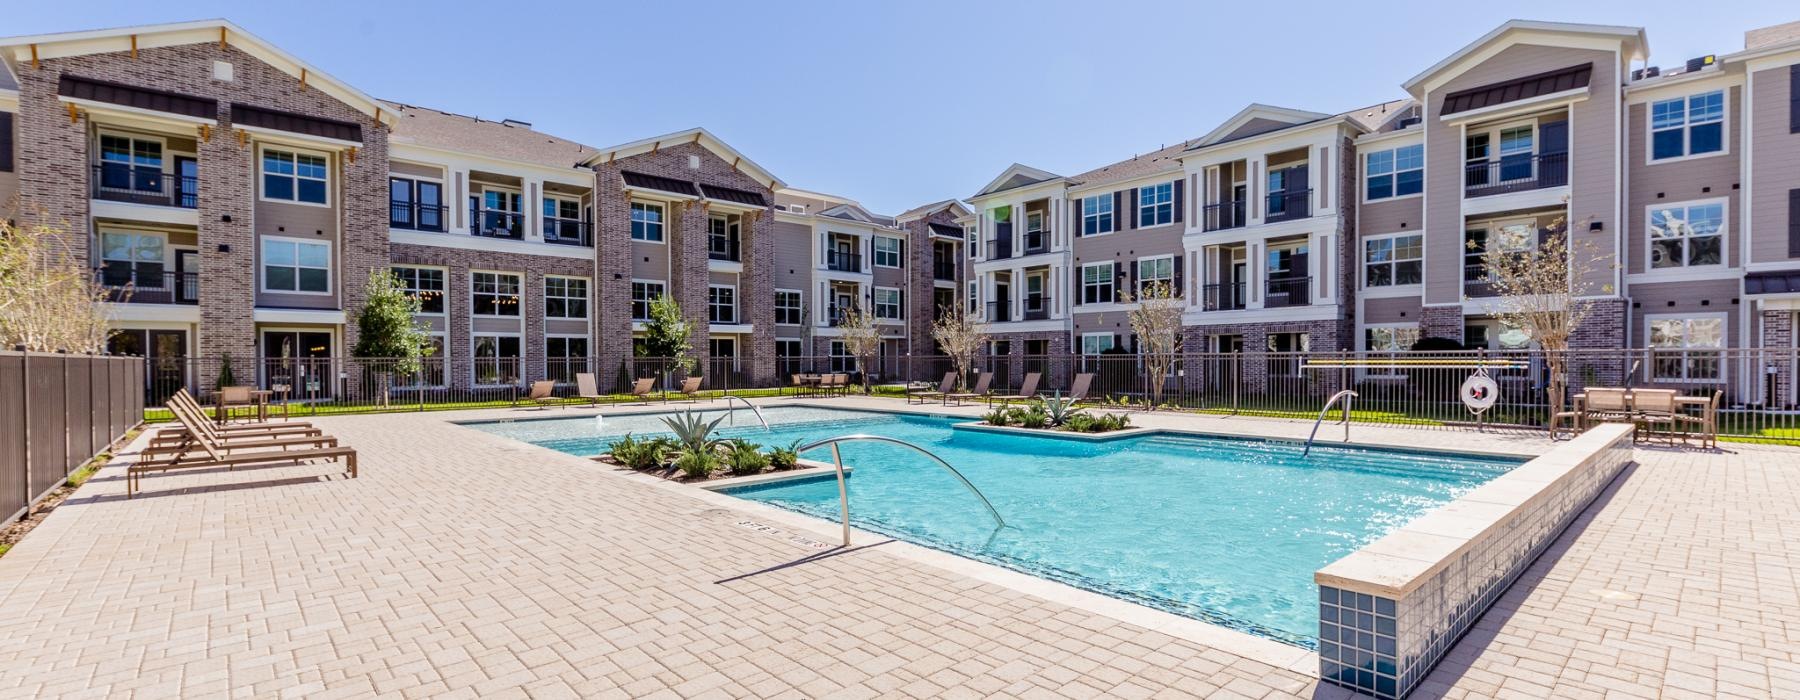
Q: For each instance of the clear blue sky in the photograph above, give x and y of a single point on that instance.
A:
(895, 103)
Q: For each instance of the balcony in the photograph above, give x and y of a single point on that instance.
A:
(843, 261)
(568, 232)
(1520, 173)
(1224, 215)
(1287, 291)
(836, 316)
(943, 270)
(1000, 248)
(124, 284)
(1222, 297)
(1288, 205)
(999, 311)
(1036, 242)
(1037, 307)
(723, 248)
(413, 216)
(724, 315)
(118, 182)
(1473, 286)
(494, 223)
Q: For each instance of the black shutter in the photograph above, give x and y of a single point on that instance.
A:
(1077, 286)
(1794, 99)
(6, 142)
(1131, 202)
(1179, 205)
(902, 302)
(1179, 289)
(1794, 223)
(903, 243)
(1118, 211)
(1075, 212)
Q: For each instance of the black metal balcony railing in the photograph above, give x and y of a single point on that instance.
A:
(1517, 173)
(943, 270)
(1000, 248)
(999, 311)
(1222, 297)
(1037, 308)
(568, 232)
(843, 261)
(1473, 284)
(1288, 205)
(124, 284)
(726, 249)
(1288, 291)
(118, 182)
(836, 315)
(1036, 242)
(1224, 215)
(494, 223)
(415, 216)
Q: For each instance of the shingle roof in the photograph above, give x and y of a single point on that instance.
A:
(934, 206)
(430, 127)
(1373, 117)
(1530, 86)
(138, 97)
(1139, 166)
(658, 182)
(251, 115)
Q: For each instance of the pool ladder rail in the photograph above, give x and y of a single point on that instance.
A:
(1348, 396)
(731, 411)
(837, 460)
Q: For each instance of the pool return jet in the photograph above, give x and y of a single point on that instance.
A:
(837, 460)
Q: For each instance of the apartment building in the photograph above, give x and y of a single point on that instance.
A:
(242, 197)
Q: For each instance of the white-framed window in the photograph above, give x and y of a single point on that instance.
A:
(1686, 348)
(1097, 283)
(974, 296)
(1034, 222)
(431, 366)
(841, 359)
(1096, 343)
(787, 307)
(1153, 270)
(131, 163)
(496, 358)
(646, 222)
(1097, 214)
(971, 240)
(723, 352)
(295, 266)
(134, 258)
(642, 293)
(887, 252)
(494, 293)
(721, 303)
(565, 356)
(1156, 205)
(293, 176)
(1393, 261)
(887, 303)
(789, 352)
(565, 297)
(1687, 126)
(1395, 172)
(1688, 234)
(425, 284)
(1390, 337)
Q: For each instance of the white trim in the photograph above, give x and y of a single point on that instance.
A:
(520, 316)
(475, 360)
(695, 135)
(899, 248)
(1043, 177)
(630, 300)
(662, 226)
(1139, 207)
(262, 265)
(445, 278)
(736, 316)
(799, 296)
(319, 317)
(1387, 290)
(1111, 340)
(463, 241)
(1616, 33)
(1293, 117)
(262, 195)
(1519, 108)
(151, 115)
(587, 297)
(1686, 127)
(296, 139)
(1362, 173)
(1688, 272)
(1649, 369)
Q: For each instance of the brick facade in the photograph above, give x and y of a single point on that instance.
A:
(457, 263)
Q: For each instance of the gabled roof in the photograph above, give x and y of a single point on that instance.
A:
(1244, 117)
(1636, 46)
(1373, 117)
(956, 207)
(855, 212)
(695, 135)
(513, 141)
(20, 49)
(1017, 175)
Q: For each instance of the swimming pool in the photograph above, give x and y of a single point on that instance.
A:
(1220, 529)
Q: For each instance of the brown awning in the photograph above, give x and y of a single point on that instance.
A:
(138, 97)
(647, 181)
(1776, 282)
(728, 194)
(947, 231)
(1571, 78)
(247, 115)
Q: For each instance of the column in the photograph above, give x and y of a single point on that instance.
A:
(1258, 269)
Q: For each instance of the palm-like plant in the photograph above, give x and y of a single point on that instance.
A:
(1058, 410)
(692, 432)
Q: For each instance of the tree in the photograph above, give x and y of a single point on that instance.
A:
(1536, 292)
(49, 300)
(861, 338)
(386, 327)
(960, 336)
(1157, 323)
(666, 333)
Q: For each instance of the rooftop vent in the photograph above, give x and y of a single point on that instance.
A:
(517, 123)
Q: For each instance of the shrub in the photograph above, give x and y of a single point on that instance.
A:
(784, 458)
(692, 432)
(697, 464)
(1058, 410)
(1113, 421)
(640, 454)
(998, 416)
(744, 458)
(1082, 423)
(1033, 417)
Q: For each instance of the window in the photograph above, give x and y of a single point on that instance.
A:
(415, 204)
(495, 294)
(722, 238)
(1034, 222)
(1393, 261)
(1687, 126)
(1154, 270)
(291, 265)
(565, 356)
(130, 164)
(1686, 235)
(1097, 283)
(1686, 349)
(1096, 343)
(887, 303)
(496, 359)
(721, 301)
(565, 297)
(646, 222)
(841, 359)
(971, 242)
(642, 293)
(1096, 215)
(787, 307)
(294, 177)
(887, 252)
(1390, 338)
(564, 209)
(431, 366)
(425, 284)
(1395, 173)
(131, 258)
(974, 297)
(1156, 205)
(723, 352)
(788, 356)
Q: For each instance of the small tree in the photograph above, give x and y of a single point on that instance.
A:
(49, 300)
(225, 378)
(666, 333)
(960, 336)
(861, 337)
(1157, 323)
(386, 329)
(1536, 290)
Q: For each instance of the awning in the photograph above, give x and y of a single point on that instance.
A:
(247, 115)
(728, 194)
(1560, 80)
(646, 181)
(137, 97)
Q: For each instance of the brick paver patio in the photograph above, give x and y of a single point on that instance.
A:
(463, 564)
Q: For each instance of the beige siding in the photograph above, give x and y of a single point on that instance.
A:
(1711, 177)
(561, 326)
(650, 261)
(1391, 216)
(1391, 310)
(1775, 165)
(1684, 298)
(1255, 126)
(415, 170)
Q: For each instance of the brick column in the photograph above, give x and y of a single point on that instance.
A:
(756, 295)
(612, 285)
(51, 160)
(688, 259)
(227, 254)
(532, 298)
(1778, 337)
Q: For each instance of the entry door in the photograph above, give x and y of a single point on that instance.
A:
(187, 182)
(844, 304)
(187, 277)
(168, 363)
(297, 363)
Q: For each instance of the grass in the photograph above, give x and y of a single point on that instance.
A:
(162, 415)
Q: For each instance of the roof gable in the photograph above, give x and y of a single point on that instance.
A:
(696, 135)
(1258, 119)
(956, 207)
(1017, 175)
(1635, 46)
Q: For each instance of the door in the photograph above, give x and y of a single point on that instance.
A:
(1235, 296)
(168, 364)
(187, 182)
(297, 364)
(187, 277)
(842, 306)
(1001, 308)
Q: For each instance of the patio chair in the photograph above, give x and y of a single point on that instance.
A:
(212, 454)
(803, 385)
(1027, 390)
(641, 388)
(835, 383)
(181, 400)
(588, 388)
(690, 389)
(197, 430)
(943, 390)
(1707, 421)
(1655, 413)
(1606, 405)
(981, 390)
(543, 393)
(1078, 391)
(234, 396)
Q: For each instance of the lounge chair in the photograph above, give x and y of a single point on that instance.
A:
(587, 387)
(194, 427)
(943, 390)
(641, 388)
(1078, 391)
(1707, 421)
(212, 454)
(1655, 412)
(1606, 405)
(981, 390)
(543, 393)
(181, 401)
(690, 389)
(1027, 390)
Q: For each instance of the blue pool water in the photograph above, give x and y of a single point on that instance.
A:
(1225, 530)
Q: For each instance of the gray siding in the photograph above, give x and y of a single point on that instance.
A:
(1711, 177)
(1775, 166)
(1684, 298)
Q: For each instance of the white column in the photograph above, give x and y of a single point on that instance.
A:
(1018, 293)
(1254, 182)
(533, 210)
(1254, 287)
(1315, 175)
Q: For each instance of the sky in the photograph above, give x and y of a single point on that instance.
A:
(896, 104)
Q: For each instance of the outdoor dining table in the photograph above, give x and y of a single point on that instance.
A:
(1681, 401)
(259, 399)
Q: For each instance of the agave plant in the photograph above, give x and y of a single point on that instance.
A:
(693, 433)
(1058, 410)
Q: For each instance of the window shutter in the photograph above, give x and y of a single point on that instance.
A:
(1075, 211)
(1794, 223)
(6, 142)
(1179, 205)
(1131, 202)
(1118, 210)
(1178, 286)
(902, 299)
(903, 243)
(1080, 286)
(1794, 99)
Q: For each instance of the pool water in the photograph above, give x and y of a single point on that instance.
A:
(1220, 529)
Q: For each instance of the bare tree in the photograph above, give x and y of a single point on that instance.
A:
(1157, 323)
(960, 336)
(861, 338)
(49, 300)
(1537, 292)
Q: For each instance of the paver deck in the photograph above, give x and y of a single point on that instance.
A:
(464, 564)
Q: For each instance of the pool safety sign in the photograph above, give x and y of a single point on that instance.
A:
(1480, 392)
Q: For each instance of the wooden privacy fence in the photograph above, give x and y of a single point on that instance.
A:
(56, 412)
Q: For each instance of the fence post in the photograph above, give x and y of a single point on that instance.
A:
(25, 428)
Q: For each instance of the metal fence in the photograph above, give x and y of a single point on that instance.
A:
(56, 412)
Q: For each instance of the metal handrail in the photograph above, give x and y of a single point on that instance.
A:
(732, 412)
(1348, 397)
(837, 461)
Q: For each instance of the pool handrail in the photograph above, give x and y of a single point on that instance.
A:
(837, 460)
(1348, 396)
(732, 410)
